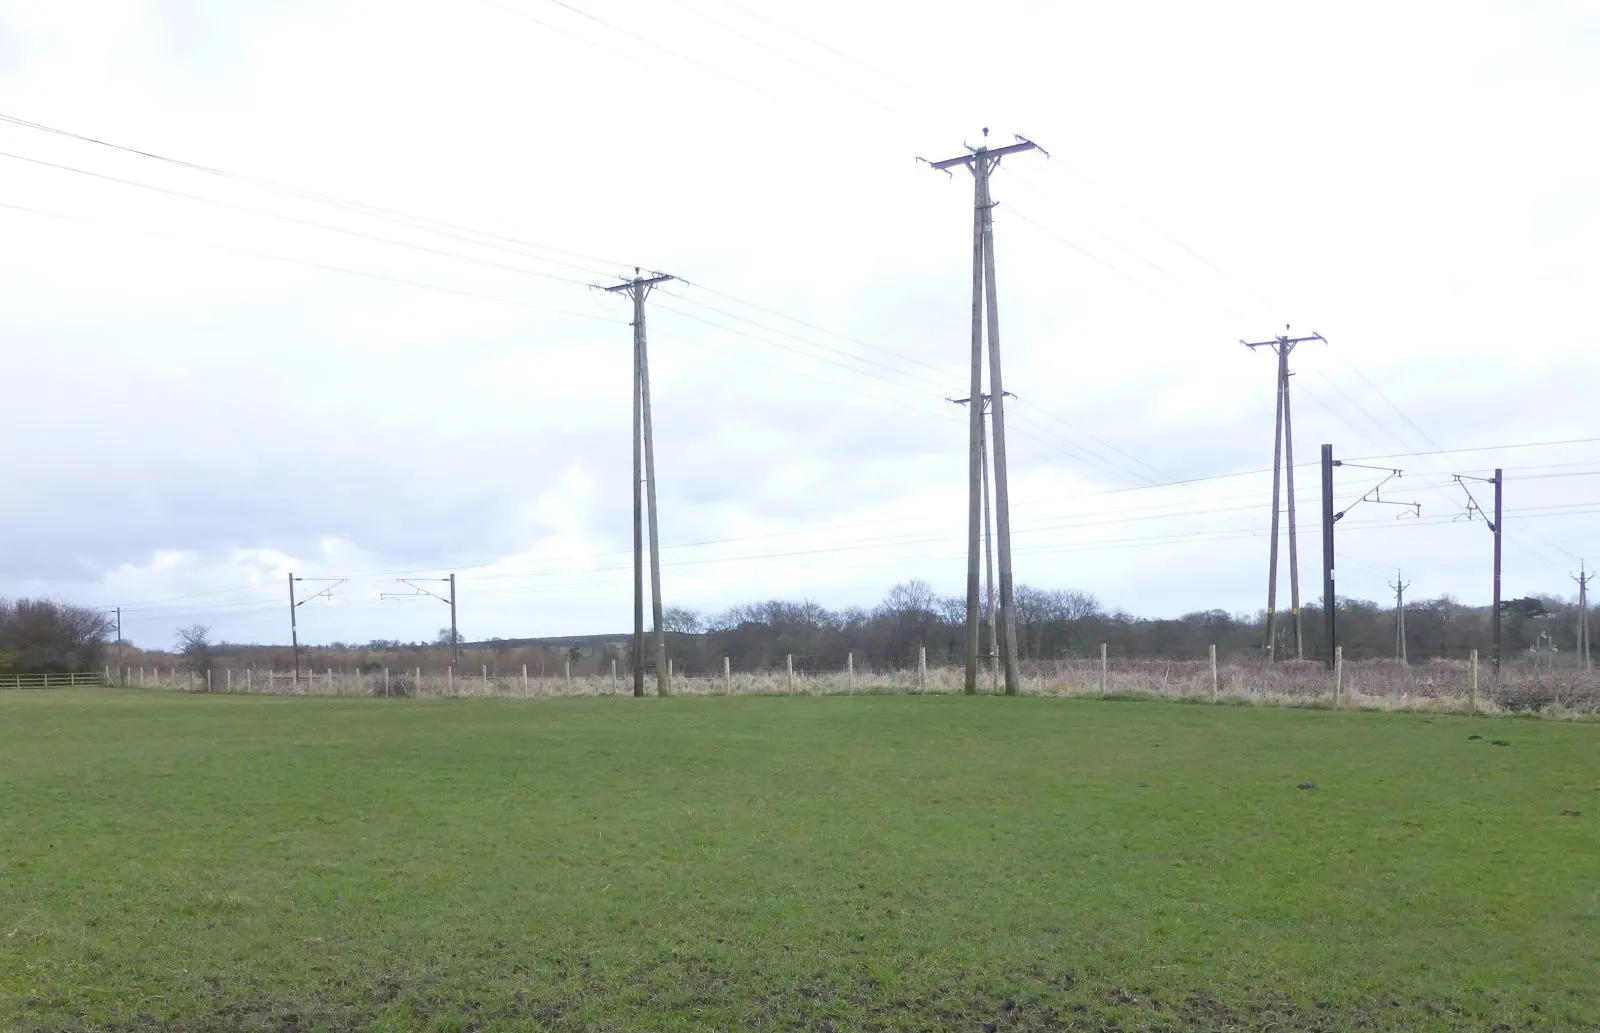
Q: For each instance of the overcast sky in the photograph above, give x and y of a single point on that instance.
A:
(212, 382)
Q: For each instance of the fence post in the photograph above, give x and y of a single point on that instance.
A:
(669, 670)
(727, 675)
(1215, 685)
(789, 662)
(524, 681)
(1338, 674)
(108, 676)
(1473, 698)
(850, 669)
(922, 667)
(450, 679)
(613, 669)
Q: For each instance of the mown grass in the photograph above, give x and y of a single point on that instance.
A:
(199, 863)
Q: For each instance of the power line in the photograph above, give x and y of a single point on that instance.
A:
(317, 265)
(821, 329)
(1479, 448)
(359, 207)
(657, 46)
(250, 209)
(795, 337)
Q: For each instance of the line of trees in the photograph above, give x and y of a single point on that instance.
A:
(40, 636)
(1056, 624)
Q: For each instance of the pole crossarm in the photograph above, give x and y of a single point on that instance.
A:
(990, 153)
(637, 283)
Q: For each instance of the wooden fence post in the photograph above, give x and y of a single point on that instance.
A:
(922, 667)
(789, 663)
(1215, 682)
(1338, 674)
(568, 669)
(1473, 698)
(727, 675)
(485, 679)
(524, 680)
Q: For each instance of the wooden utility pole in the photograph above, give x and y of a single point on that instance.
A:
(294, 627)
(1329, 612)
(455, 632)
(644, 480)
(989, 649)
(1399, 588)
(1583, 577)
(1283, 460)
(1498, 528)
(981, 161)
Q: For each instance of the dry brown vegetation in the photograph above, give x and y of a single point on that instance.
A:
(1436, 685)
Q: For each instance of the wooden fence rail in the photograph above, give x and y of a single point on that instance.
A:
(52, 681)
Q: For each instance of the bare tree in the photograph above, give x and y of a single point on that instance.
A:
(682, 620)
(194, 645)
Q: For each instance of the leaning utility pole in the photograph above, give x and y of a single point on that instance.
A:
(1583, 577)
(1283, 458)
(986, 308)
(1399, 587)
(638, 289)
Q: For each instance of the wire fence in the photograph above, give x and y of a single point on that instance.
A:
(1431, 685)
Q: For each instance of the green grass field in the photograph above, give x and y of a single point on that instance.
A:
(187, 863)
